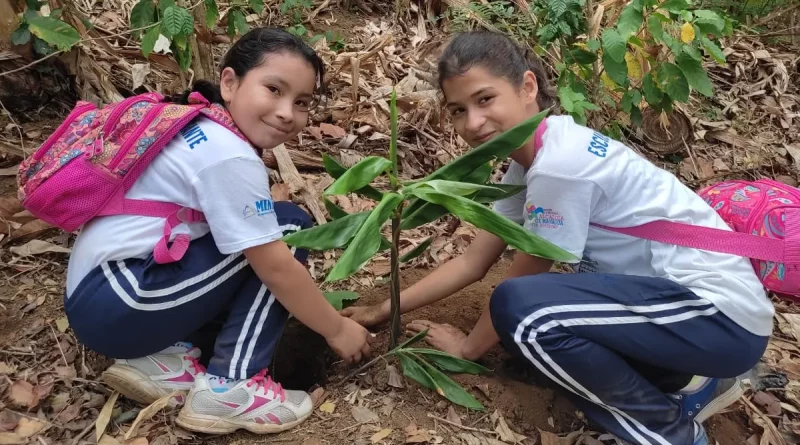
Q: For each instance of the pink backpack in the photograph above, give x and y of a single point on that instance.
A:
(765, 218)
(94, 157)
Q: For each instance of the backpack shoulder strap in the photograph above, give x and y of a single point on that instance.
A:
(708, 238)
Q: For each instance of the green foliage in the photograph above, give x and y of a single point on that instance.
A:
(341, 298)
(47, 33)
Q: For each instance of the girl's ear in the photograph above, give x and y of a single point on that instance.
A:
(228, 83)
(530, 87)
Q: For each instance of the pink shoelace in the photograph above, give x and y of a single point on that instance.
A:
(262, 380)
(194, 363)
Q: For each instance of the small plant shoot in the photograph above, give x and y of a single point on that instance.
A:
(458, 188)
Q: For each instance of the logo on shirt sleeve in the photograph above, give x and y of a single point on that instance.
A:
(541, 217)
(598, 146)
(260, 208)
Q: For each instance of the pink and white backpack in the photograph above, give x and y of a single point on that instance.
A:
(94, 157)
(765, 218)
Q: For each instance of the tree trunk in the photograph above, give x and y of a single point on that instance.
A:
(202, 54)
(8, 23)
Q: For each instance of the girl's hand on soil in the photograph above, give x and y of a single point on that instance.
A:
(444, 337)
(351, 341)
(367, 316)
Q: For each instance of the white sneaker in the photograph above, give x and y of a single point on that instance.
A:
(149, 378)
(217, 405)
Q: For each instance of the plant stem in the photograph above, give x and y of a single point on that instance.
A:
(395, 272)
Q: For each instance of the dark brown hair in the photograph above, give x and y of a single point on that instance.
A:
(249, 52)
(498, 54)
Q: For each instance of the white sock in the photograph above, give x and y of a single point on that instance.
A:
(220, 384)
(696, 383)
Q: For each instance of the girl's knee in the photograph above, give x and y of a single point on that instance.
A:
(516, 298)
(289, 212)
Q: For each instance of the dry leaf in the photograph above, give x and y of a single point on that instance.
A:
(5, 368)
(332, 130)
(280, 191)
(28, 427)
(768, 401)
(37, 247)
(138, 73)
(395, 379)
(22, 394)
(453, 416)
(138, 441)
(149, 412)
(506, 434)
(69, 414)
(8, 420)
(317, 396)
(794, 322)
(721, 166)
(380, 435)
(549, 438)
(105, 416)
(363, 415)
(62, 324)
(312, 441)
(31, 228)
(706, 168)
(416, 435)
(9, 206)
(327, 407)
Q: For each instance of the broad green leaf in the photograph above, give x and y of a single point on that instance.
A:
(332, 235)
(367, 239)
(692, 52)
(498, 147)
(54, 32)
(359, 175)
(565, 99)
(695, 74)
(580, 56)
(257, 6)
(673, 82)
(593, 45)
(423, 213)
(630, 99)
(614, 45)
(484, 218)
(143, 14)
(618, 72)
(674, 6)
(212, 13)
(183, 56)
(231, 24)
(415, 371)
(636, 115)
(240, 22)
(452, 187)
(629, 21)
(335, 211)
(704, 16)
(416, 251)
(188, 22)
(393, 137)
(558, 7)
(336, 171)
(448, 362)
(713, 50)
(341, 298)
(655, 27)
(449, 389)
(502, 191)
(149, 40)
(172, 21)
(416, 338)
(21, 36)
(41, 47)
(652, 94)
(180, 41)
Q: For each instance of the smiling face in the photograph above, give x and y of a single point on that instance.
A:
(483, 105)
(271, 102)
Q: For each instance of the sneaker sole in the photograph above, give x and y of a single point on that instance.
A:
(723, 401)
(134, 385)
(215, 425)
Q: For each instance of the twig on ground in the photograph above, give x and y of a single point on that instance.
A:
(19, 129)
(463, 427)
(64, 357)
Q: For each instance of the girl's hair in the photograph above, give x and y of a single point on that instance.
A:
(249, 52)
(498, 54)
